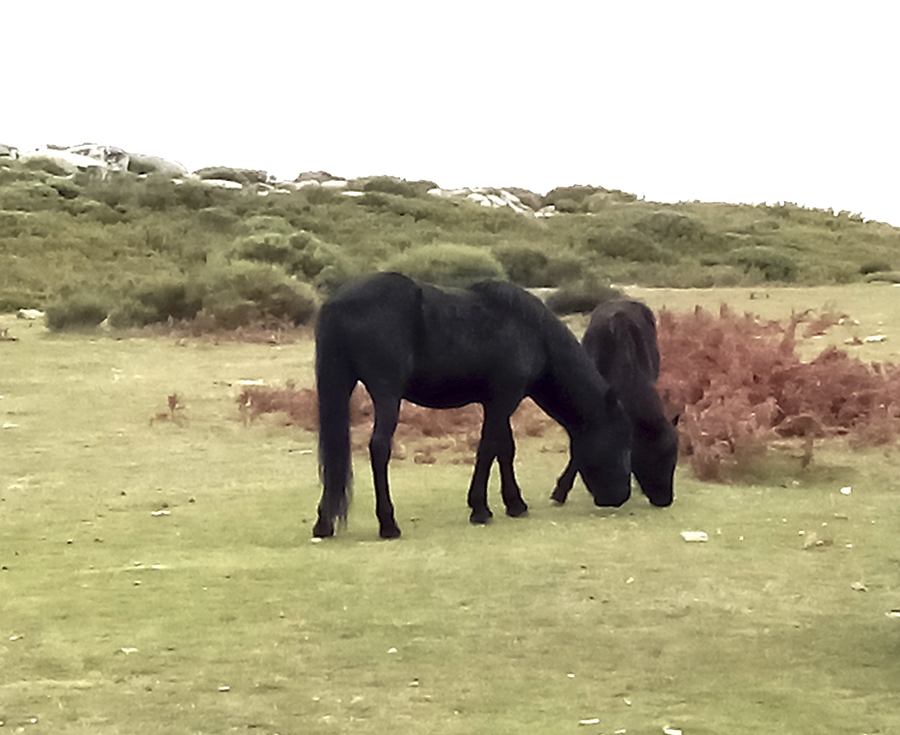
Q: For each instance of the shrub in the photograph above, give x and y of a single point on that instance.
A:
(269, 223)
(447, 264)
(300, 254)
(243, 293)
(153, 303)
(874, 266)
(677, 231)
(194, 195)
(218, 218)
(64, 186)
(565, 266)
(624, 243)
(45, 164)
(565, 205)
(887, 276)
(773, 264)
(28, 196)
(13, 299)
(80, 310)
(739, 384)
(570, 198)
(157, 192)
(270, 247)
(235, 175)
(393, 185)
(319, 262)
(525, 265)
(582, 296)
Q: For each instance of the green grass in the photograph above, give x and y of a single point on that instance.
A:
(527, 625)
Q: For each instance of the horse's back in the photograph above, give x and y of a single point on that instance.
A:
(368, 328)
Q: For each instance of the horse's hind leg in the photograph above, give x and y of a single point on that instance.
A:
(387, 411)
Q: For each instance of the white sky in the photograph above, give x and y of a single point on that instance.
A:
(729, 100)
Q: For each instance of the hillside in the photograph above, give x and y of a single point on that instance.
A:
(235, 247)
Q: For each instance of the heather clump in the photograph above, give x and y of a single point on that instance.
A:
(421, 431)
(740, 385)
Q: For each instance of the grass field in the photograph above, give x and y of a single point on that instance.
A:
(157, 573)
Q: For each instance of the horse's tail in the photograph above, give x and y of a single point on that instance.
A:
(335, 381)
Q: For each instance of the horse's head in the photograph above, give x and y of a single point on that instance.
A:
(653, 459)
(603, 456)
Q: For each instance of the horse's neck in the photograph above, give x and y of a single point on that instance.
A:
(645, 406)
(572, 391)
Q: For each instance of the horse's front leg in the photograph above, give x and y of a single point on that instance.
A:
(496, 441)
(564, 483)
(509, 488)
(387, 412)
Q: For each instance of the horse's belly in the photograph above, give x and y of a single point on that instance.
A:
(445, 393)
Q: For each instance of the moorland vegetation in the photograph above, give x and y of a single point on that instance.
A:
(147, 249)
(142, 250)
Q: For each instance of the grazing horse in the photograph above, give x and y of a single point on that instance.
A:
(492, 343)
(621, 341)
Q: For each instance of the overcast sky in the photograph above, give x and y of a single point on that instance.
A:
(718, 101)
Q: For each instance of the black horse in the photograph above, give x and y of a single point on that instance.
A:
(492, 344)
(621, 342)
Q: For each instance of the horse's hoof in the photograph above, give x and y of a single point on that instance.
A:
(480, 518)
(389, 533)
(558, 497)
(323, 529)
(517, 512)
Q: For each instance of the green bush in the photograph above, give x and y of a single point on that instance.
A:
(324, 264)
(28, 196)
(624, 243)
(157, 192)
(64, 186)
(45, 164)
(582, 296)
(219, 219)
(393, 185)
(243, 293)
(771, 263)
(19, 298)
(300, 254)
(525, 265)
(158, 302)
(565, 266)
(269, 223)
(80, 310)
(236, 175)
(570, 198)
(886, 276)
(677, 231)
(875, 266)
(194, 195)
(269, 247)
(447, 264)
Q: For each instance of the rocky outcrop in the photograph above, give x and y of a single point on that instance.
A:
(141, 164)
(104, 159)
(240, 176)
(316, 177)
(499, 198)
